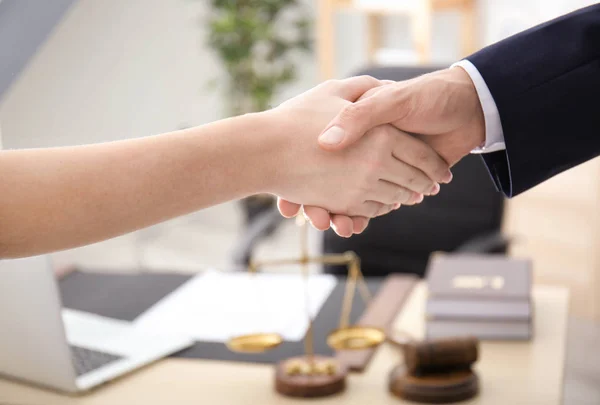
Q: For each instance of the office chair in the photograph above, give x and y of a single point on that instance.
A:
(465, 217)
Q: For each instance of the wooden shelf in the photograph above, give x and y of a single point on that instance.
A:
(420, 13)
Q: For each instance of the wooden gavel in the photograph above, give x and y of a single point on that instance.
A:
(435, 371)
(439, 355)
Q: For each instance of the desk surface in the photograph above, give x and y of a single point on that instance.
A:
(511, 373)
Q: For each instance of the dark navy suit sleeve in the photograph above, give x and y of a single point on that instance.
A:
(546, 84)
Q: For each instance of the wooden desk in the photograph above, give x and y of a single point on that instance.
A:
(511, 373)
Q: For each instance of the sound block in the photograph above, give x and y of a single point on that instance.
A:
(440, 388)
(294, 377)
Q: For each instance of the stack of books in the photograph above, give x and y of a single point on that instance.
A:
(485, 296)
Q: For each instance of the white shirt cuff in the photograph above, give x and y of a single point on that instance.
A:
(494, 136)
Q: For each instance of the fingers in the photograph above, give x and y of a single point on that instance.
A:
(287, 209)
(370, 93)
(360, 224)
(390, 193)
(356, 119)
(319, 218)
(385, 209)
(402, 174)
(353, 87)
(416, 199)
(345, 226)
(342, 225)
(374, 90)
(416, 153)
(371, 209)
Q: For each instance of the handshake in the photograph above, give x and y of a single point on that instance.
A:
(380, 145)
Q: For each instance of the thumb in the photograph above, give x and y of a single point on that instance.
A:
(354, 120)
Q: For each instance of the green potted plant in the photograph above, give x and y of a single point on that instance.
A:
(257, 43)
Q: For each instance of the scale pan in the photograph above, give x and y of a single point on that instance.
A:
(256, 343)
(355, 338)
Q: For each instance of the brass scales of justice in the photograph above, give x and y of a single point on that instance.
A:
(312, 375)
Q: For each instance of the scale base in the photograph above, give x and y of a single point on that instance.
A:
(294, 377)
(439, 388)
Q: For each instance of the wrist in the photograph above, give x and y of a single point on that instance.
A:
(465, 87)
(269, 148)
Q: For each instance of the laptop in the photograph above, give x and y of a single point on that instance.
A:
(63, 349)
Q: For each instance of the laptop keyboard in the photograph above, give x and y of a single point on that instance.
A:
(86, 360)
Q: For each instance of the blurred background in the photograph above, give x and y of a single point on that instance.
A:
(84, 71)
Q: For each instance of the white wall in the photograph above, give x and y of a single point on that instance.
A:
(111, 70)
(116, 69)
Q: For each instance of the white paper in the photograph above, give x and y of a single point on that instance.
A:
(116, 336)
(215, 306)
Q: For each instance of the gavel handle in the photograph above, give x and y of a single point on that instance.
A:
(399, 341)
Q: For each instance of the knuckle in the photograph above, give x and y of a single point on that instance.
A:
(355, 111)
(420, 183)
(365, 77)
(401, 196)
(427, 187)
(441, 171)
(374, 210)
(368, 79)
(368, 180)
(386, 210)
(428, 161)
(375, 167)
(412, 199)
(364, 189)
(380, 144)
(331, 84)
(383, 136)
(363, 181)
(423, 155)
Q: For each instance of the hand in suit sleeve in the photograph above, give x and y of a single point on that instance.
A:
(545, 83)
(529, 103)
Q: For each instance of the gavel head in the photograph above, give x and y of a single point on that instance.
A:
(440, 355)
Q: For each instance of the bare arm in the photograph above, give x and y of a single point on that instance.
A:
(52, 199)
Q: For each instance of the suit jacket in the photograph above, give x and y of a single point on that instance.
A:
(546, 84)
